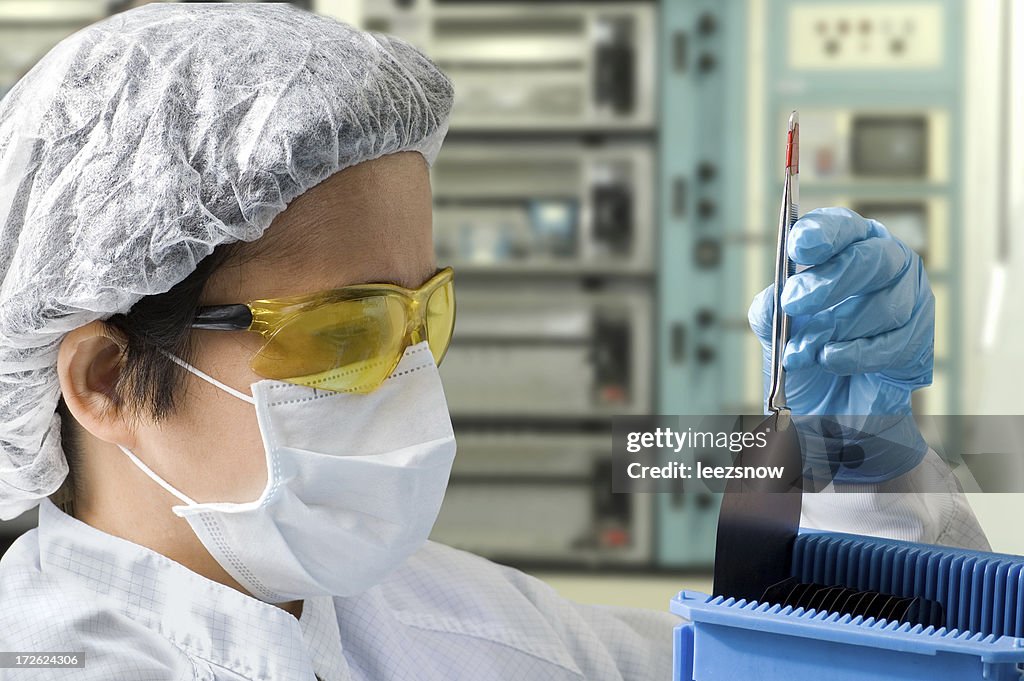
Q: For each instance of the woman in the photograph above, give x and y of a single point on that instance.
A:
(221, 321)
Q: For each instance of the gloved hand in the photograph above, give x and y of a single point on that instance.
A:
(861, 340)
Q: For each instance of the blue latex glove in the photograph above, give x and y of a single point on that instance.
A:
(861, 340)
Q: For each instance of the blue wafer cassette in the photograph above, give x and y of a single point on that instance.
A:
(864, 609)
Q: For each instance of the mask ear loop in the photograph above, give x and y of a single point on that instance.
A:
(149, 471)
(210, 379)
(156, 478)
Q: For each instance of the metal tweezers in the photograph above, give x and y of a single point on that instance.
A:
(784, 268)
(757, 526)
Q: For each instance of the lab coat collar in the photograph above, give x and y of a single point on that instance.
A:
(319, 623)
(204, 618)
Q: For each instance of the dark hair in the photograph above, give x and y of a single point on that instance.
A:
(149, 382)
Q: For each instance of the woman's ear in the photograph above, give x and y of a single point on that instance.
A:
(89, 363)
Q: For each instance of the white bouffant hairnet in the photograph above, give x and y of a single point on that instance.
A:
(140, 143)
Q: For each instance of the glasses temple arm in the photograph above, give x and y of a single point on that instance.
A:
(223, 318)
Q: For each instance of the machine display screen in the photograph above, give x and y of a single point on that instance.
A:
(889, 146)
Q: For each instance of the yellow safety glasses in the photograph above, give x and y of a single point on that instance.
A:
(345, 340)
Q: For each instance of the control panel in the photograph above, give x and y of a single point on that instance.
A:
(859, 36)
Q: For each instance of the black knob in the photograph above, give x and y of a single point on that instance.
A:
(706, 208)
(707, 24)
(705, 354)
(708, 253)
(705, 317)
(706, 171)
(704, 501)
(707, 62)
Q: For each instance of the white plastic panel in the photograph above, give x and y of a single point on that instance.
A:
(863, 36)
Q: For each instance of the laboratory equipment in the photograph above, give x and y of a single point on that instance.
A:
(859, 623)
(533, 208)
(530, 392)
(535, 355)
(700, 236)
(508, 488)
(545, 200)
(557, 66)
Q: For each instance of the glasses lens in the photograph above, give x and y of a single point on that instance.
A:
(345, 346)
(440, 320)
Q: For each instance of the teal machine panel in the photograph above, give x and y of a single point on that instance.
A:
(879, 88)
(702, 140)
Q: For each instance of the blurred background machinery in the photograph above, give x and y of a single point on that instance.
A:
(607, 196)
(545, 206)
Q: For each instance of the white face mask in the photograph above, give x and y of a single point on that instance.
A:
(354, 484)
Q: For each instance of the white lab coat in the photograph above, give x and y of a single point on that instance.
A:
(444, 615)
